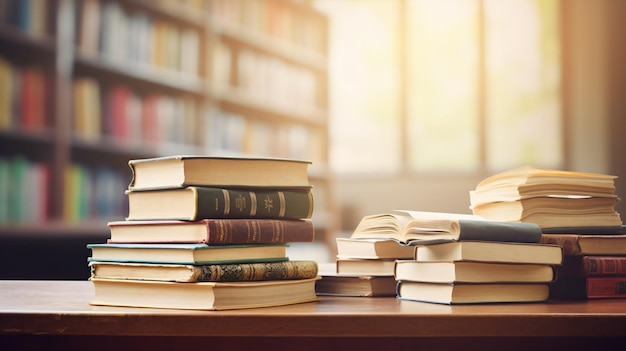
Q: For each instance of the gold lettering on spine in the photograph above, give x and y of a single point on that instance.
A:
(253, 204)
(282, 205)
(226, 202)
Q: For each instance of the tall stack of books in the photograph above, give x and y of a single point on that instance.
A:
(576, 211)
(209, 233)
(465, 259)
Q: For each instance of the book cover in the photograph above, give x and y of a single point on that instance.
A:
(187, 253)
(491, 251)
(181, 171)
(194, 203)
(588, 244)
(365, 267)
(257, 271)
(356, 285)
(214, 231)
(373, 249)
(582, 288)
(584, 266)
(203, 295)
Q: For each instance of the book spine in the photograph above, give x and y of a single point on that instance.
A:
(569, 243)
(604, 265)
(606, 287)
(258, 231)
(233, 203)
(287, 270)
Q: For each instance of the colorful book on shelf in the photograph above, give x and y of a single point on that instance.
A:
(491, 251)
(214, 231)
(373, 249)
(588, 244)
(473, 272)
(203, 295)
(181, 171)
(187, 253)
(256, 271)
(451, 294)
(414, 227)
(194, 203)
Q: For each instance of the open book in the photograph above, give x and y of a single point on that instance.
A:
(416, 227)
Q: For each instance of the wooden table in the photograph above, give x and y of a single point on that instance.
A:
(56, 315)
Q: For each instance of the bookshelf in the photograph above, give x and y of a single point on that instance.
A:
(87, 85)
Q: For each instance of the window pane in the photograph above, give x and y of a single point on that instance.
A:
(523, 83)
(363, 85)
(442, 87)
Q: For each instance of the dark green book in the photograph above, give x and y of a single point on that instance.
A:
(195, 203)
(258, 271)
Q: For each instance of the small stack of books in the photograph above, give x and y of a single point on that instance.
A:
(364, 267)
(209, 233)
(465, 259)
(594, 266)
(549, 198)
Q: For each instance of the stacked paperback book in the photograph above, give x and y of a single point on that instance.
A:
(576, 211)
(209, 233)
(465, 259)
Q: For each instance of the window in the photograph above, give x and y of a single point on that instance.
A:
(444, 85)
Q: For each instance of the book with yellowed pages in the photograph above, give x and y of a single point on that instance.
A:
(550, 198)
(451, 294)
(473, 272)
(373, 249)
(185, 170)
(365, 267)
(203, 295)
(486, 251)
(416, 227)
(226, 272)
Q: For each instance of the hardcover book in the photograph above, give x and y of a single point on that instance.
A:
(355, 285)
(187, 253)
(473, 272)
(286, 270)
(181, 171)
(365, 267)
(412, 227)
(203, 295)
(373, 249)
(588, 244)
(472, 293)
(584, 266)
(194, 203)
(213, 231)
(582, 288)
(486, 251)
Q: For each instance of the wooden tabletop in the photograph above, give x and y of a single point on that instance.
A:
(62, 308)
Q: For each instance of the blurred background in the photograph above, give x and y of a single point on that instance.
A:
(399, 104)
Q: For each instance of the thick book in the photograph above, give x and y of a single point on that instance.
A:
(529, 181)
(581, 288)
(203, 295)
(365, 267)
(195, 203)
(414, 227)
(213, 231)
(488, 251)
(473, 272)
(586, 266)
(187, 253)
(451, 294)
(181, 170)
(355, 285)
(285, 270)
(373, 249)
(588, 244)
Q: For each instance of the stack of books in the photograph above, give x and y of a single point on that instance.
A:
(549, 198)
(209, 233)
(465, 259)
(364, 267)
(594, 266)
(576, 211)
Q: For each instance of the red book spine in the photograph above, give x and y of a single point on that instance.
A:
(604, 265)
(606, 287)
(252, 231)
(569, 242)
